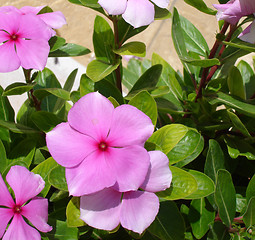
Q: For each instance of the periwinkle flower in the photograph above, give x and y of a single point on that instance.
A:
(233, 10)
(135, 12)
(248, 35)
(134, 210)
(26, 186)
(101, 146)
(23, 41)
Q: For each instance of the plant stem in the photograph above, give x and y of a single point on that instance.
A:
(117, 57)
(211, 55)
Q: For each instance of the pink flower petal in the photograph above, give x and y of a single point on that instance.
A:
(114, 7)
(92, 115)
(248, 35)
(5, 197)
(29, 9)
(25, 184)
(54, 19)
(102, 209)
(20, 230)
(138, 210)
(139, 13)
(4, 36)
(129, 166)
(91, 176)
(10, 21)
(9, 9)
(69, 147)
(129, 126)
(159, 176)
(8, 58)
(33, 53)
(161, 3)
(36, 211)
(5, 215)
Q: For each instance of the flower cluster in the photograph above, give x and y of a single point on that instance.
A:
(24, 37)
(135, 12)
(233, 11)
(102, 149)
(26, 186)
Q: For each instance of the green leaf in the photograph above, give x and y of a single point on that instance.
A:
(70, 50)
(17, 128)
(161, 13)
(241, 45)
(132, 48)
(238, 123)
(6, 110)
(235, 83)
(201, 62)
(166, 106)
(225, 197)
(205, 185)
(250, 191)
(218, 231)
(145, 102)
(73, 213)
(249, 216)
(3, 158)
(201, 6)
(43, 169)
(230, 101)
(181, 144)
(238, 147)
(57, 178)
(169, 224)
(56, 42)
(183, 184)
(149, 79)
(97, 70)
(45, 121)
(214, 160)
(17, 89)
(58, 92)
(201, 214)
(86, 85)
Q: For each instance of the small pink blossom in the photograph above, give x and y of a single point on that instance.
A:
(248, 35)
(135, 12)
(54, 20)
(101, 146)
(134, 210)
(233, 10)
(25, 185)
(23, 41)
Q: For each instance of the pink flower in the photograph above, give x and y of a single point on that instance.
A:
(248, 35)
(26, 186)
(101, 146)
(135, 12)
(54, 20)
(235, 9)
(23, 42)
(134, 210)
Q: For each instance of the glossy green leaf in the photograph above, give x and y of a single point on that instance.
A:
(6, 110)
(201, 62)
(218, 231)
(86, 85)
(161, 13)
(250, 191)
(70, 50)
(205, 185)
(169, 224)
(57, 178)
(17, 128)
(201, 6)
(214, 160)
(201, 215)
(73, 213)
(238, 123)
(56, 42)
(249, 216)
(145, 102)
(58, 92)
(3, 158)
(43, 169)
(132, 48)
(235, 83)
(97, 70)
(238, 147)
(225, 197)
(45, 121)
(183, 184)
(167, 106)
(17, 89)
(230, 101)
